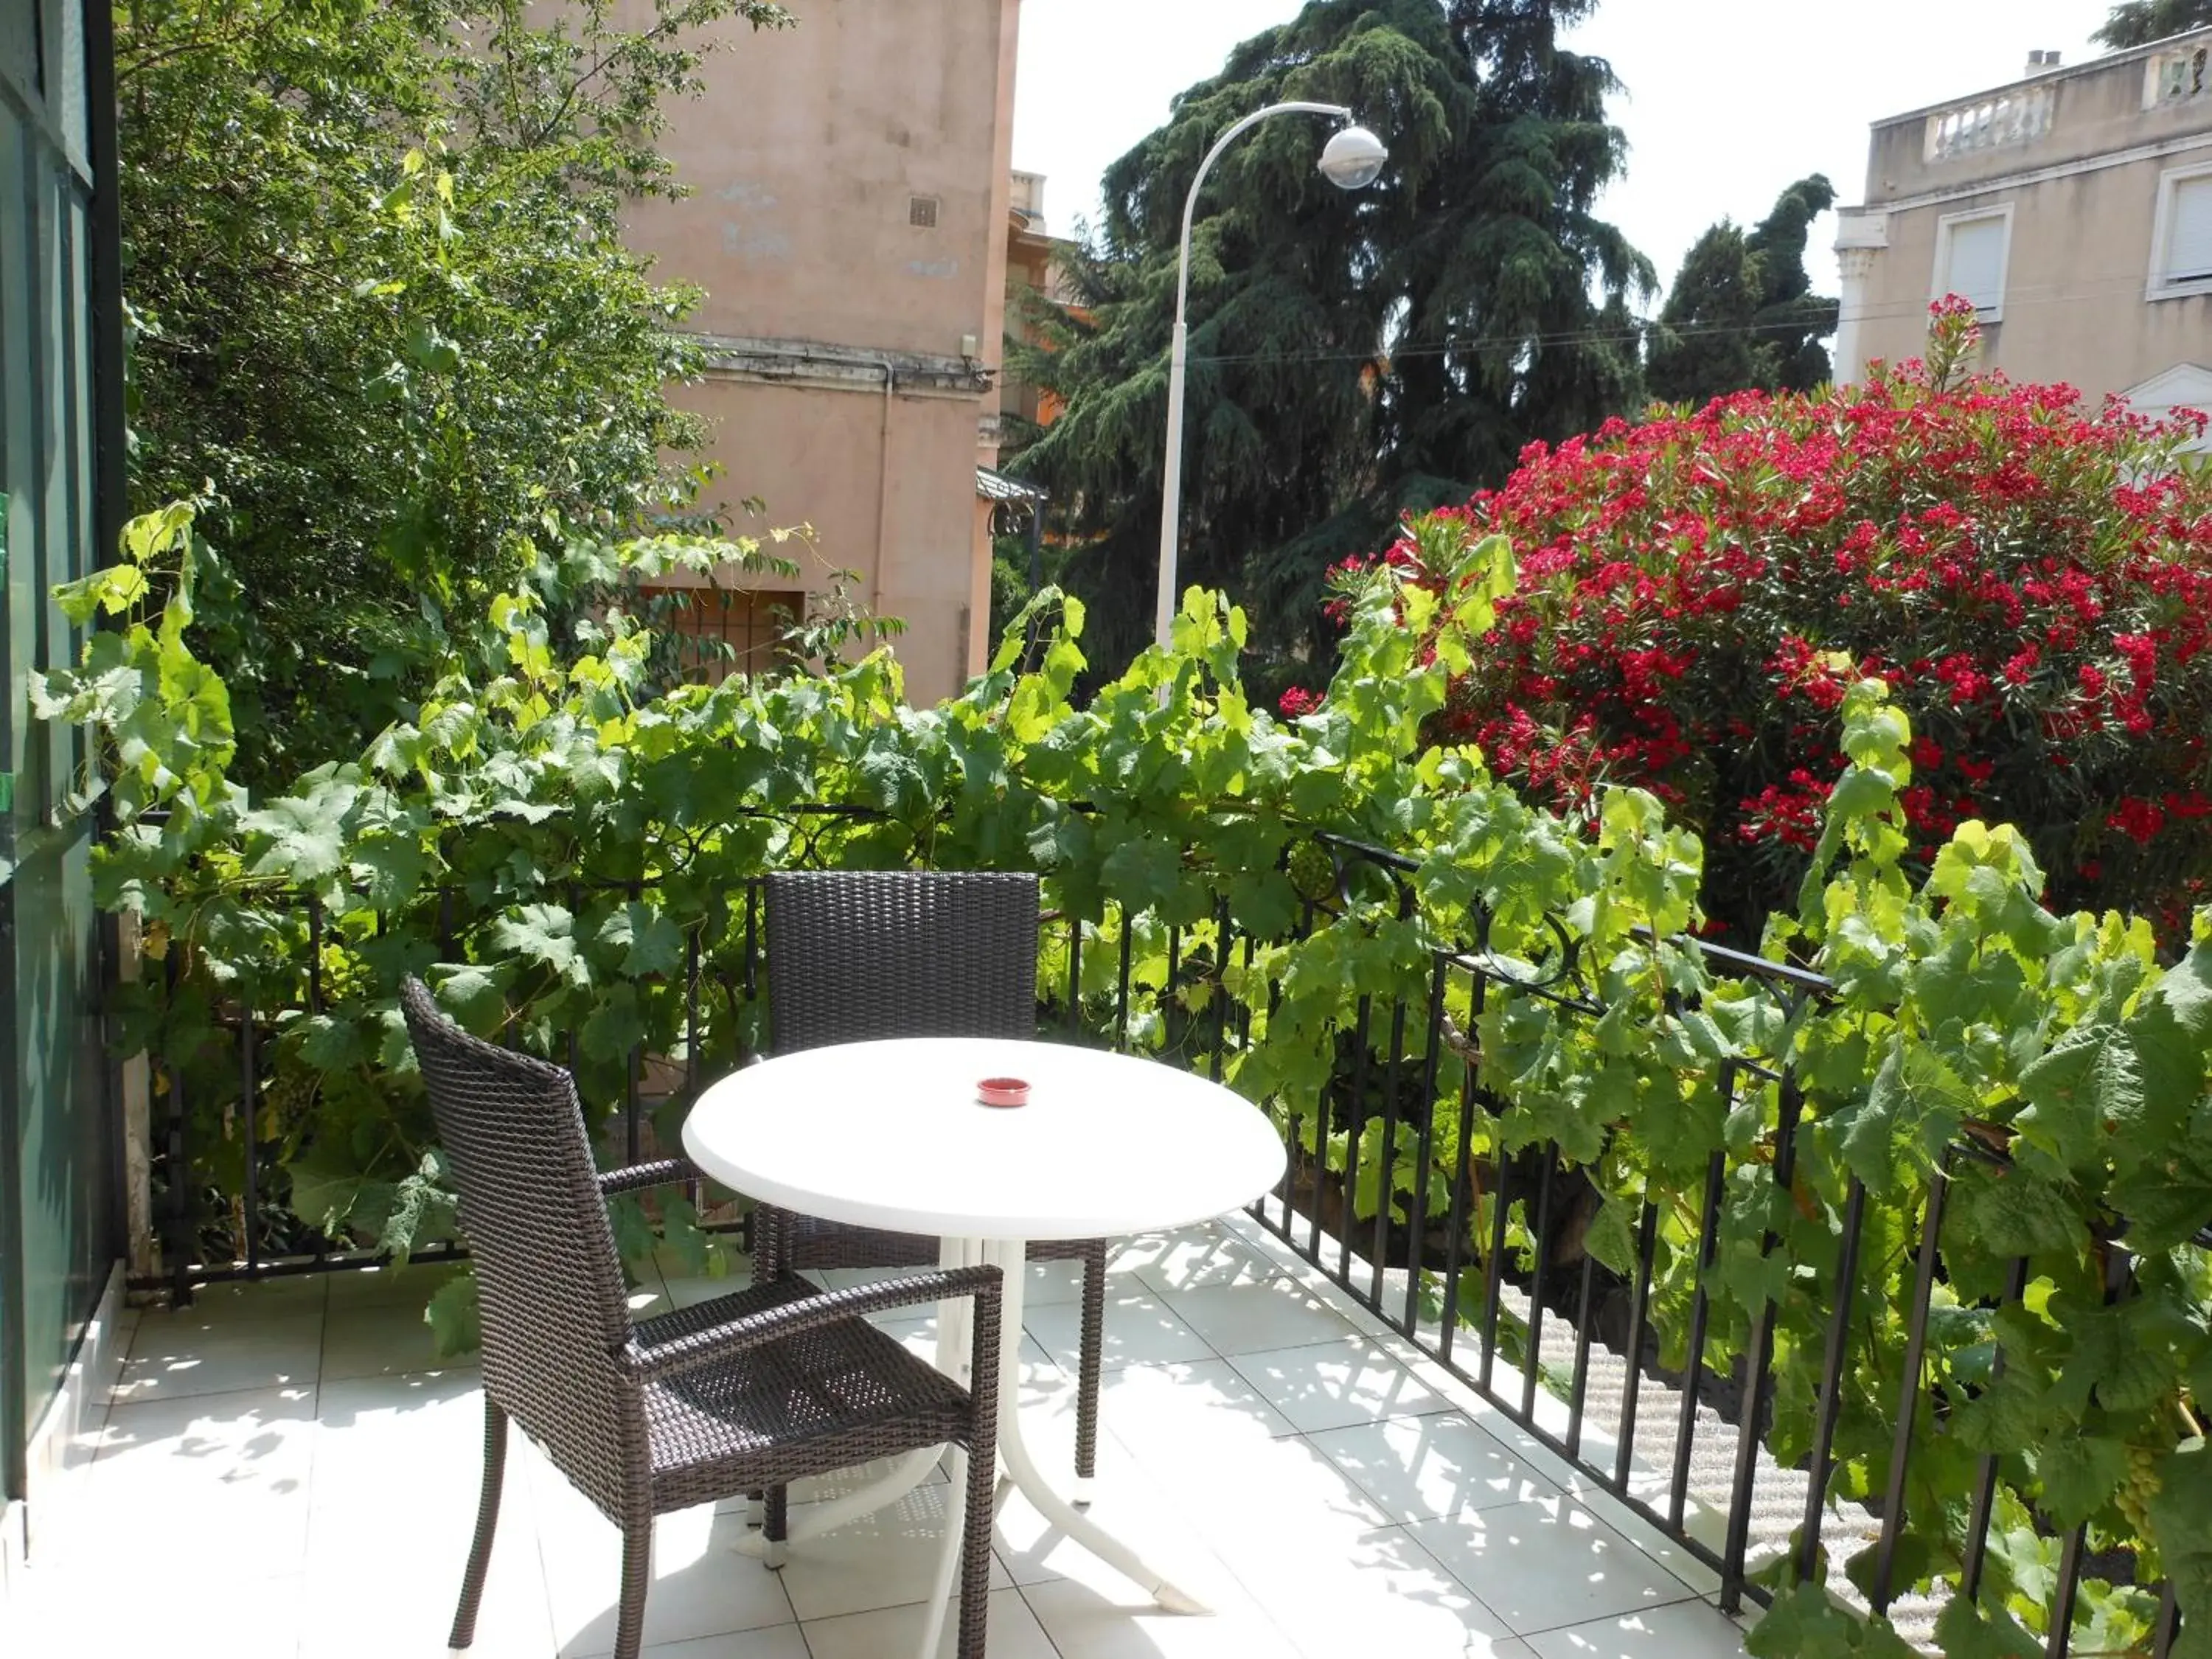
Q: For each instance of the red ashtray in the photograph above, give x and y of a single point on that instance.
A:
(1003, 1092)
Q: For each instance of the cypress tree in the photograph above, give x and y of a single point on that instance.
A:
(1792, 321)
(1703, 344)
(1742, 313)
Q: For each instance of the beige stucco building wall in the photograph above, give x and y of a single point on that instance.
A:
(851, 182)
(2073, 165)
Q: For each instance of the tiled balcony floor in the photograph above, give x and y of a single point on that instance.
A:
(287, 1471)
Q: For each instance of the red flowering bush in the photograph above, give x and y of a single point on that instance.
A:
(2033, 579)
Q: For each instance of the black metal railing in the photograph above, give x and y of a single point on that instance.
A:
(1485, 1288)
(198, 1216)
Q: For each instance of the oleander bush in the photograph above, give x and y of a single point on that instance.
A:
(2030, 577)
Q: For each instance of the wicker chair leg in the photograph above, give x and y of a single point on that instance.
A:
(1086, 1381)
(982, 1478)
(976, 1551)
(764, 1234)
(774, 1504)
(636, 1580)
(472, 1580)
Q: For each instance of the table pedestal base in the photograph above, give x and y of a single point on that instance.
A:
(1011, 1257)
(907, 1474)
(1019, 1471)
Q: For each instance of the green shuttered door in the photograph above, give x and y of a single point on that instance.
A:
(58, 1154)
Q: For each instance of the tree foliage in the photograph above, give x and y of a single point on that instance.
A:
(384, 324)
(1352, 355)
(2139, 22)
(1742, 315)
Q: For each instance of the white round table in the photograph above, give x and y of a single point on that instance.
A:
(892, 1135)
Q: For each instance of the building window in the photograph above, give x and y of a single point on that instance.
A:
(2177, 77)
(2181, 240)
(1972, 252)
(720, 632)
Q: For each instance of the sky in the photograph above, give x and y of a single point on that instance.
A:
(1725, 102)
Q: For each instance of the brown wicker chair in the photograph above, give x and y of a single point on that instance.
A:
(744, 1393)
(858, 955)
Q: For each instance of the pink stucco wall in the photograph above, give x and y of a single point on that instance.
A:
(805, 156)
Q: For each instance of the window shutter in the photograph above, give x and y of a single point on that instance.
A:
(1977, 262)
(2188, 231)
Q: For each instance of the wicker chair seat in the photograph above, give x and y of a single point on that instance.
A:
(788, 1402)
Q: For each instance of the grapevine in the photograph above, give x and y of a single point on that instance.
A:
(344, 975)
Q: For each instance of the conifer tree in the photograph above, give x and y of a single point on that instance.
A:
(2139, 22)
(1703, 344)
(1742, 313)
(1792, 320)
(1352, 355)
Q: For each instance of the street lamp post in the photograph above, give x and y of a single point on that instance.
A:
(1352, 160)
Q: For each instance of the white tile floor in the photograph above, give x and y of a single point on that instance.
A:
(294, 1474)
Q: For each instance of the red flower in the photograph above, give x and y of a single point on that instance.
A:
(2139, 820)
(1297, 701)
(1967, 683)
(2140, 652)
(2193, 805)
(1790, 815)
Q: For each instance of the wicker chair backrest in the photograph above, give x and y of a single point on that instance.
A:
(855, 956)
(548, 1280)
